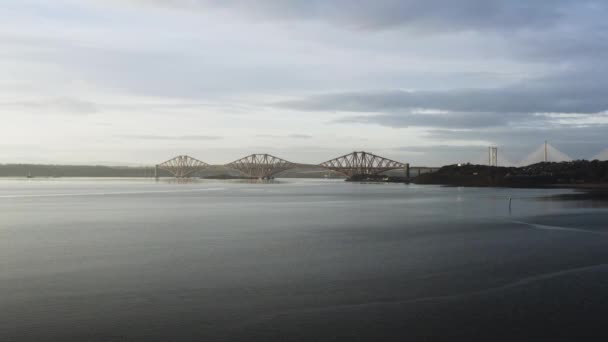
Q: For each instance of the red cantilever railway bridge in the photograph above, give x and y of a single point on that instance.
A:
(266, 166)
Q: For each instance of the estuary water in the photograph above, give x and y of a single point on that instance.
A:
(297, 260)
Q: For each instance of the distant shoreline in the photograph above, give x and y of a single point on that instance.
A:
(580, 174)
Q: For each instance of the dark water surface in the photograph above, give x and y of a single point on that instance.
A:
(301, 260)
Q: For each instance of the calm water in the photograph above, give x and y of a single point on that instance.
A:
(300, 260)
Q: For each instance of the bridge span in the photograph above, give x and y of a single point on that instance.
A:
(261, 166)
(181, 166)
(363, 164)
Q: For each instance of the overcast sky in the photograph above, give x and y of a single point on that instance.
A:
(422, 81)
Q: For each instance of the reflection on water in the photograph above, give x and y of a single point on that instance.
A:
(196, 180)
(581, 199)
(309, 260)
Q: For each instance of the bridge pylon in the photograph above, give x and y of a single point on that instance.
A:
(181, 166)
(363, 164)
(261, 166)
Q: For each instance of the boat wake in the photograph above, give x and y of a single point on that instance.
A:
(457, 296)
(559, 228)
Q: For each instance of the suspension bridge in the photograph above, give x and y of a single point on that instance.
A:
(543, 153)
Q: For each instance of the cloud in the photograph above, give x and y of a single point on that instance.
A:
(468, 72)
(449, 120)
(300, 136)
(603, 155)
(579, 92)
(170, 137)
(431, 15)
(573, 92)
(61, 105)
(576, 141)
(292, 136)
(437, 155)
(547, 30)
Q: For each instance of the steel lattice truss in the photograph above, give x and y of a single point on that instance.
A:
(183, 166)
(361, 163)
(261, 166)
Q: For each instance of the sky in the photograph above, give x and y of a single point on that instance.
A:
(429, 82)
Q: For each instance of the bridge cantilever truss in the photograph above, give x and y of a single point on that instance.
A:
(261, 166)
(182, 166)
(362, 164)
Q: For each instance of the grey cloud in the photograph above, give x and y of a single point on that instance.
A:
(62, 105)
(169, 137)
(567, 93)
(292, 136)
(433, 148)
(180, 73)
(545, 29)
(565, 35)
(559, 32)
(300, 136)
(438, 155)
(524, 136)
(577, 142)
(582, 42)
(447, 120)
(434, 15)
(578, 91)
(162, 72)
(514, 146)
(269, 136)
